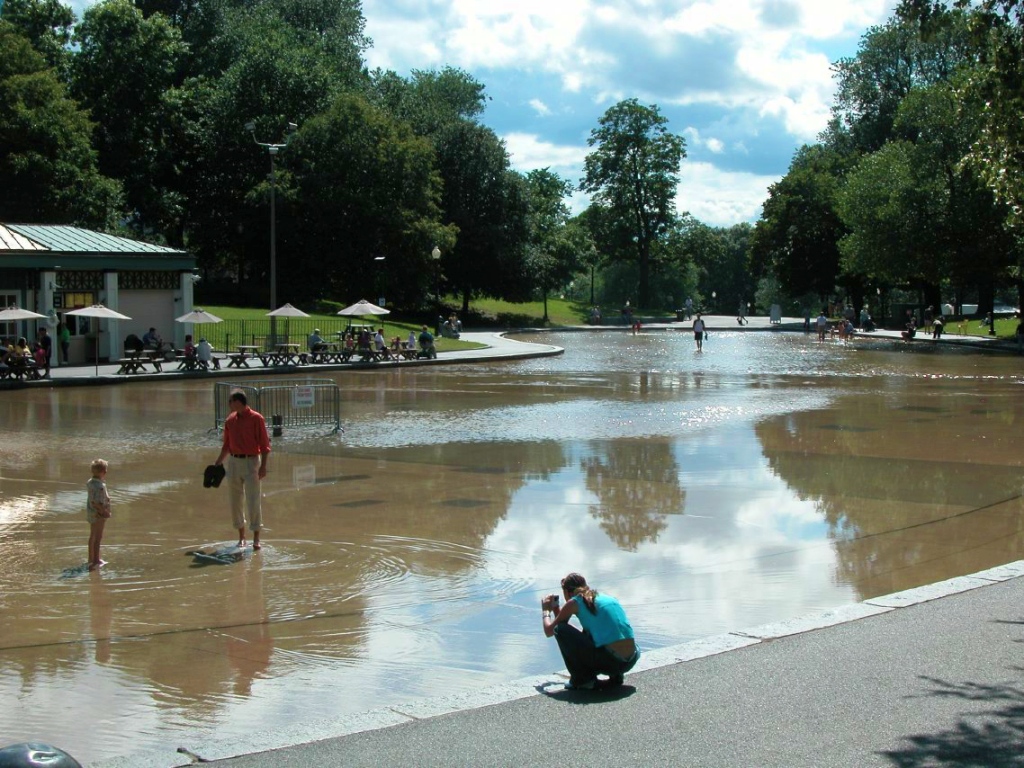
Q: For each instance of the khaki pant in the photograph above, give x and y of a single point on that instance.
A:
(244, 482)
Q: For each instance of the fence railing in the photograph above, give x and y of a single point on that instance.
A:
(307, 403)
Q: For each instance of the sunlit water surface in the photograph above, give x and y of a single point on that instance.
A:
(767, 477)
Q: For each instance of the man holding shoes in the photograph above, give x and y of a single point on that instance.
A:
(246, 447)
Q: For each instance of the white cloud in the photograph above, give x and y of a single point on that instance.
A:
(721, 198)
(529, 152)
(695, 140)
(540, 107)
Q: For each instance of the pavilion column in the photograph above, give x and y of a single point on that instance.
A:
(111, 345)
(186, 290)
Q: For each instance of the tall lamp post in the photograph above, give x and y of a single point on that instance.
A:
(381, 279)
(436, 256)
(272, 150)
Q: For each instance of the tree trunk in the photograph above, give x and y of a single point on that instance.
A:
(643, 298)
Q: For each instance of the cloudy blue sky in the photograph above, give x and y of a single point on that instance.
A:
(746, 82)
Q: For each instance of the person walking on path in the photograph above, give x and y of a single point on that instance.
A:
(246, 445)
(97, 511)
(699, 329)
(605, 646)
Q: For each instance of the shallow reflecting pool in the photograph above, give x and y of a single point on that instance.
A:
(767, 477)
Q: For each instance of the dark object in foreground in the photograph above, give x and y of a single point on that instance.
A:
(222, 556)
(213, 475)
(31, 754)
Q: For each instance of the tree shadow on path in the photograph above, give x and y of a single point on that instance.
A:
(986, 738)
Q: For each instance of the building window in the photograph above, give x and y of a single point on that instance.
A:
(77, 326)
(8, 330)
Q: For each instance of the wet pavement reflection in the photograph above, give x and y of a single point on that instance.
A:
(764, 478)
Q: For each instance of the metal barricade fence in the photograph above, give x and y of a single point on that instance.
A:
(307, 403)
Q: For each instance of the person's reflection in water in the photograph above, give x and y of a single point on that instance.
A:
(101, 614)
(249, 644)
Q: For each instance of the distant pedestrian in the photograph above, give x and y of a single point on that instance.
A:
(699, 331)
(247, 445)
(97, 511)
(64, 337)
(46, 344)
(822, 324)
(937, 328)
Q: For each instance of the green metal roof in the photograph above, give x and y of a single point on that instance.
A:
(60, 238)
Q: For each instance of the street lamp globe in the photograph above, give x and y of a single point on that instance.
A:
(436, 253)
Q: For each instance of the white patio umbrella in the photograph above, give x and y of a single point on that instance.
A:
(198, 316)
(101, 313)
(287, 311)
(363, 307)
(14, 313)
(360, 308)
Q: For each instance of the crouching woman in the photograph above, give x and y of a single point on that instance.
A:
(605, 646)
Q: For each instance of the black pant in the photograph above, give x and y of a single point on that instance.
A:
(584, 660)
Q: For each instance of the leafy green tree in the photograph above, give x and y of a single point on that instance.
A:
(488, 203)
(551, 257)
(275, 73)
(892, 60)
(47, 24)
(916, 213)
(633, 171)
(123, 70)
(365, 186)
(48, 170)
(429, 100)
(797, 237)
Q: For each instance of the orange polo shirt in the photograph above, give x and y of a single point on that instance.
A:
(245, 433)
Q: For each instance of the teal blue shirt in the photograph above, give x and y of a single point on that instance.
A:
(608, 624)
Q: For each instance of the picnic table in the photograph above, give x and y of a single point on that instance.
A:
(20, 367)
(135, 362)
(332, 352)
(285, 353)
(246, 352)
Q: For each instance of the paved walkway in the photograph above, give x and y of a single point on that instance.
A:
(498, 347)
(928, 677)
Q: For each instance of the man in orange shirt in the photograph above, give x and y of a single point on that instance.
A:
(246, 444)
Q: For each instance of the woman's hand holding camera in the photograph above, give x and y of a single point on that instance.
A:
(549, 603)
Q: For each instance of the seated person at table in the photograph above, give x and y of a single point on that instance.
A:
(363, 341)
(378, 341)
(151, 339)
(133, 343)
(204, 353)
(410, 343)
(427, 345)
(22, 349)
(190, 348)
(315, 341)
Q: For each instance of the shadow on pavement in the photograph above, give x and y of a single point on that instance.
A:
(597, 696)
(992, 738)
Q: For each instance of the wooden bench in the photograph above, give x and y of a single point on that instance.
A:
(238, 360)
(131, 365)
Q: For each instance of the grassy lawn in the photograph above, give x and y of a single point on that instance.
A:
(1006, 328)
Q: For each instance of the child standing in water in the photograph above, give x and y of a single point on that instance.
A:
(97, 510)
